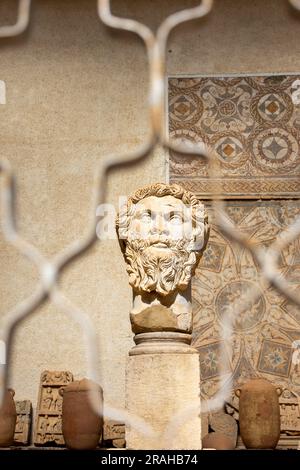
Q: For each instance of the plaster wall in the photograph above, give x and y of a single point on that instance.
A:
(77, 92)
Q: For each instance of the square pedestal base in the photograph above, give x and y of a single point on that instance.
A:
(164, 390)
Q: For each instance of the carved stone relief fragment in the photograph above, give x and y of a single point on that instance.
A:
(48, 425)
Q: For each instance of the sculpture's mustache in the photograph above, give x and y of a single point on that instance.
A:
(159, 240)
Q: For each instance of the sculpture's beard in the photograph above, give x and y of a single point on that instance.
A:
(153, 267)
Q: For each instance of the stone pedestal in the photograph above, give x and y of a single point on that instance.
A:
(163, 388)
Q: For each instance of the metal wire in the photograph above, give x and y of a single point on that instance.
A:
(295, 4)
(50, 270)
(22, 21)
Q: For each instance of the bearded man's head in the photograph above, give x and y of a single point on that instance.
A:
(163, 230)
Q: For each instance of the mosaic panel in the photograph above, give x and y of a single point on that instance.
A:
(210, 356)
(275, 358)
(252, 124)
(263, 333)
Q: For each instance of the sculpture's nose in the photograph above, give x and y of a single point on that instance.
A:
(160, 225)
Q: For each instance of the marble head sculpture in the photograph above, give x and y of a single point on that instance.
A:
(163, 231)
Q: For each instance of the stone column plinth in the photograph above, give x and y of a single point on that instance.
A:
(163, 388)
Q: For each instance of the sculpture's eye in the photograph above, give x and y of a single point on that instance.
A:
(176, 218)
(146, 216)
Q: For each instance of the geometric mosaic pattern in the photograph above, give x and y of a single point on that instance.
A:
(253, 127)
(264, 330)
(210, 356)
(275, 358)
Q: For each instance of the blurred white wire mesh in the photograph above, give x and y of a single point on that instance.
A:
(51, 269)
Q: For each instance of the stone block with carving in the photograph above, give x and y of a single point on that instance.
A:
(289, 404)
(48, 424)
(23, 424)
(113, 434)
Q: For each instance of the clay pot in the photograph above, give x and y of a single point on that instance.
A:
(8, 418)
(218, 441)
(259, 414)
(81, 425)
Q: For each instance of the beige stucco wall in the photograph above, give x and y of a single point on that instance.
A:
(75, 93)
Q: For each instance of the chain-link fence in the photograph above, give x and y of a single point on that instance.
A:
(50, 270)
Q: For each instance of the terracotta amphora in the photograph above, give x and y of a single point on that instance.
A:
(81, 425)
(8, 418)
(259, 414)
